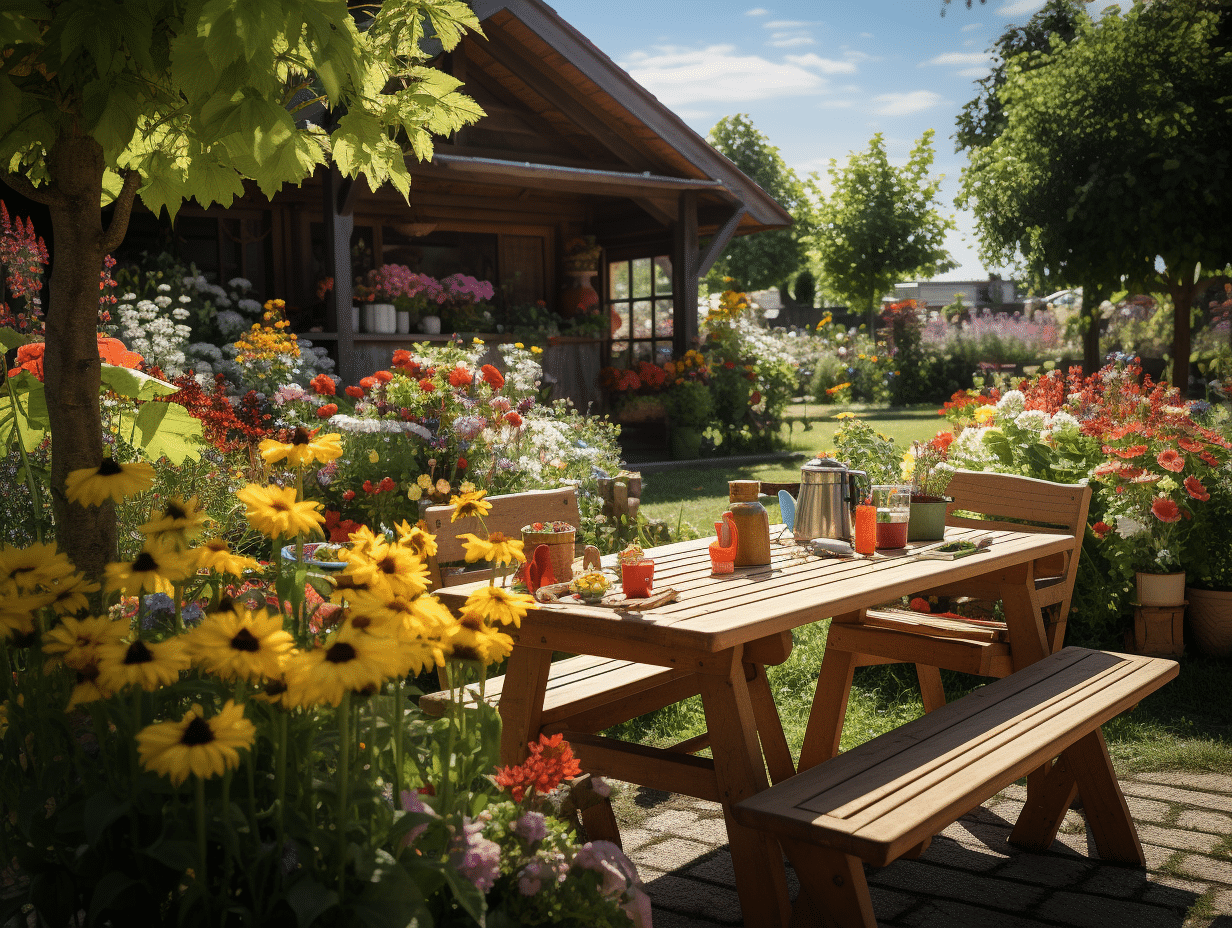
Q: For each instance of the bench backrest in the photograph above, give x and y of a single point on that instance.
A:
(509, 513)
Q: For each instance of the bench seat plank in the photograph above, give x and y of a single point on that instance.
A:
(882, 798)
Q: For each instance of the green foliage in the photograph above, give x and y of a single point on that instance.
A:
(804, 289)
(880, 224)
(689, 404)
(861, 447)
(769, 258)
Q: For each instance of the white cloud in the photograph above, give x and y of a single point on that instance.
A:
(903, 104)
(971, 27)
(836, 103)
(756, 11)
(788, 40)
(786, 24)
(824, 65)
(958, 58)
(973, 72)
(679, 75)
(866, 35)
(1023, 8)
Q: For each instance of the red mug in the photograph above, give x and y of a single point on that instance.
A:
(636, 578)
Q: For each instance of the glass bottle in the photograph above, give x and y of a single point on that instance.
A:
(752, 523)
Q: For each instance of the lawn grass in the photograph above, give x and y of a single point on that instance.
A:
(1186, 725)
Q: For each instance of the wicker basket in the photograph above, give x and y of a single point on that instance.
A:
(560, 547)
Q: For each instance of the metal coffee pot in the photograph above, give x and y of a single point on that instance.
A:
(827, 501)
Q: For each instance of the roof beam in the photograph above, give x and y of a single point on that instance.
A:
(558, 177)
(719, 241)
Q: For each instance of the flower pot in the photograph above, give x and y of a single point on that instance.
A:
(560, 548)
(1210, 620)
(1160, 589)
(368, 317)
(386, 318)
(927, 521)
(404, 322)
(686, 443)
(430, 325)
(579, 296)
(354, 318)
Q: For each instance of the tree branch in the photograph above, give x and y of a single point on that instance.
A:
(123, 209)
(20, 183)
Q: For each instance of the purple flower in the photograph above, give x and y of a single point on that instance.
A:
(411, 802)
(532, 826)
(475, 857)
(530, 880)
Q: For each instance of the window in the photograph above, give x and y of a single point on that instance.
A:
(639, 292)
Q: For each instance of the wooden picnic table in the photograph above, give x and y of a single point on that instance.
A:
(724, 629)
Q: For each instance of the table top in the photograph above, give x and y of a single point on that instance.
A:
(716, 612)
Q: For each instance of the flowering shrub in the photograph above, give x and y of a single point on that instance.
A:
(927, 466)
(23, 255)
(1000, 338)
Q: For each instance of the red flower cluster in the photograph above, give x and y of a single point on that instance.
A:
(338, 528)
(354, 392)
(382, 377)
(551, 762)
(460, 378)
(226, 427)
(386, 485)
(329, 409)
(368, 383)
(323, 385)
(492, 377)
(427, 385)
(513, 419)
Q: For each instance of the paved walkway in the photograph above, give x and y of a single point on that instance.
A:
(971, 877)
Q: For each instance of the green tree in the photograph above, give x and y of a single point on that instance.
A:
(1111, 163)
(102, 101)
(767, 259)
(880, 224)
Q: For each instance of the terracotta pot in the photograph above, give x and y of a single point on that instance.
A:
(1210, 620)
(579, 296)
(1160, 589)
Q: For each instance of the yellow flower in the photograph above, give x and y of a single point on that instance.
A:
(373, 457)
(392, 568)
(846, 415)
(16, 626)
(274, 512)
(466, 487)
(92, 486)
(204, 747)
(591, 582)
(76, 641)
(424, 481)
(414, 492)
(535, 349)
(352, 661)
(496, 548)
(304, 448)
(71, 593)
(469, 504)
(417, 538)
(984, 414)
(146, 664)
(157, 569)
(87, 688)
(215, 555)
(363, 541)
(442, 486)
(498, 605)
(34, 566)
(240, 644)
(518, 345)
(180, 519)
(474, 640)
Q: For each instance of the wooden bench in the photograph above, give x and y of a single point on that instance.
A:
(887, 798)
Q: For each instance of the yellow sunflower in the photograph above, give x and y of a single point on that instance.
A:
(240, 644)
(204, 747)
(75, 642)
(497, 548)
(304, 448)
(350, 661)
(71, 593)
(157, 569)
(179, 521)
(431, 615)
(92, 486)
(274, 512)
(347, 585)
(498, 605)
(474, 640)
(141, 663)
(16, 627)
(364, 540)
(88, 688)
(383, 616)
(215, 555)
(34, 566)
(466, 505)
(417, 538)
(392, 568)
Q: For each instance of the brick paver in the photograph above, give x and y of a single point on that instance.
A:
(971, 877)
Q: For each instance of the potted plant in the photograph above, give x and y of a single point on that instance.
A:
(1210, 586)
(925, 465)
(689, 410)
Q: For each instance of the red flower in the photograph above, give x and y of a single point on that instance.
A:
(368, 383)
(324, 412)
(382, 376)
(920, 604)
(340, 529)
(354, 392)
(1132, 451)
(492, 377)
(323, 385)
(387, 485)
(513, 419)
(551, 762)
(460, 377)
(1165, 510)
(348, 495)
(114, 351)
(462, 465)
(755, 398)
(1193, 486)
(1189, 444)
(729, 365)
(1101, 529)
(427, 385)
(1170, 460)
(942, 441)
(30, 358)
(368, 488)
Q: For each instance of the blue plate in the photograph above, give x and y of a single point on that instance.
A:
(288, 554)
(787, 507)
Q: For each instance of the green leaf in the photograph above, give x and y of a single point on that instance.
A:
(11, 338)
(134, 384)
(102, 809)
(106, 891)
(310, 900)
(394, 900)
(164, 430)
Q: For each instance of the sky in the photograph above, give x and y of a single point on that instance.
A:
(817, 77)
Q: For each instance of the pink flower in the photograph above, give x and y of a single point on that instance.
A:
(1165, 510)
(1170, 460)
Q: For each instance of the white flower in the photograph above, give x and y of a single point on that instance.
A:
(239, 283)
(1062, 423)
(1035, 420)
(164, 288)
(184, 298)
(1011, 403)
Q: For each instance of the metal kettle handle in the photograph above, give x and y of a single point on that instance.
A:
(853, 492)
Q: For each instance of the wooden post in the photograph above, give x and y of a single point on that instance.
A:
(338, 227)
(684, 274)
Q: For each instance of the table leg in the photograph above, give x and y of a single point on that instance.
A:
(769, 726)
(1050, 791)
(761, 879)
(833, 882)
(825, 723)
(1103, 803)
(521, 703)
(1024, 619)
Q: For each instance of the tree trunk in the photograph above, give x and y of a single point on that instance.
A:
(1092, 298)
(71, 362)
(1182, 300)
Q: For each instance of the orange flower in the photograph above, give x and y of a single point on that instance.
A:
(30, 358)
(492, 377)
(382, 376)
(114, 351)
(460, 377)
(550, 763)
(1170, 460)
(1193, 486)
(323, 385)
(324, 412)
(1165, 510)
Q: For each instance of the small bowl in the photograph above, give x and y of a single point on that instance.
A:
(288, 554)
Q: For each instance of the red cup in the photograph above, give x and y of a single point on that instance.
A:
(636, 579)
(891, 534)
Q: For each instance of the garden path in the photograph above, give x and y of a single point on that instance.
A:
(971, 877)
